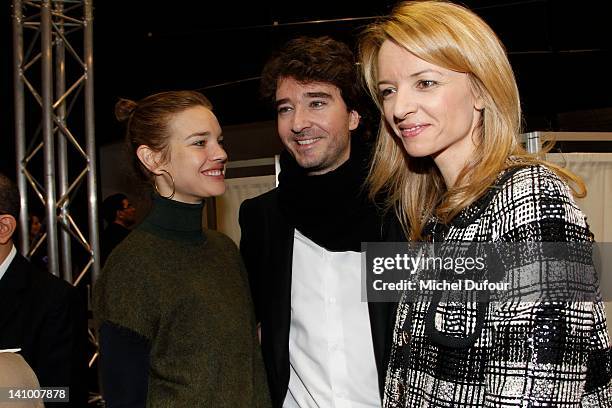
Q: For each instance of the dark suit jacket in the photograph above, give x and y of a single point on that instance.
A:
(45, 317)
(266, 245)
(110, 238)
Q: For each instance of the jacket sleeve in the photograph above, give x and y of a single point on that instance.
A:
(550, 344)
(251, 228)
(62, 347)
(124, 366)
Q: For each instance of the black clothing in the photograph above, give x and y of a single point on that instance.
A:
(46, 317)
(125, 384)
(332, 211)
(110, 238)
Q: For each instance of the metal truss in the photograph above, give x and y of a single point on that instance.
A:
(54, 132)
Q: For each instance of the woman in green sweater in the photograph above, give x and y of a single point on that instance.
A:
(175, 317)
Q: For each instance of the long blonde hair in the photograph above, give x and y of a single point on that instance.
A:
(455, 38)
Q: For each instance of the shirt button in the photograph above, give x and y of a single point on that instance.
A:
(332, 300)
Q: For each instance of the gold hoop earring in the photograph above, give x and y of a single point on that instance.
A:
(173, 186)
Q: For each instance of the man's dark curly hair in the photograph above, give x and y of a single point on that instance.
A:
(308, 59)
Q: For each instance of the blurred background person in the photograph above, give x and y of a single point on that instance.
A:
(36, 227)
(38, 243)
(119, 215)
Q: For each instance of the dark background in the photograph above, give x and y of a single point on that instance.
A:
(560, 51)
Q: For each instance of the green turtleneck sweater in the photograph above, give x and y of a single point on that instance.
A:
(184, 295)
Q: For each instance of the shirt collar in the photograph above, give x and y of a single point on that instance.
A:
(5, 265)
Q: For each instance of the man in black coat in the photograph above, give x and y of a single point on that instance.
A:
(301, 242)
(39, 313)
(120, 215)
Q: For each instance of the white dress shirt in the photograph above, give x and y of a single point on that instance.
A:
(5, 264)
(331, 355)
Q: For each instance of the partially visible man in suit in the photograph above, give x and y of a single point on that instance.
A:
(301, 242)
(40, 313)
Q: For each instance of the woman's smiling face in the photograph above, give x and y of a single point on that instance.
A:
(433, 110)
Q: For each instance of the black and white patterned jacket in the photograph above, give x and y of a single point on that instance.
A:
(524, 353)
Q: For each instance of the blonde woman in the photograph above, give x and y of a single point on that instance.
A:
(448, 157)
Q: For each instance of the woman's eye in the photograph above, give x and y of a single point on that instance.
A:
(426, 83)
(199, 143)
(386, 92)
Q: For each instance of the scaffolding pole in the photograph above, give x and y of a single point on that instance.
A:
(48, 137)
(47, 29)
(19, 99)
(90, 138)
(62, 148)
(53, 76)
